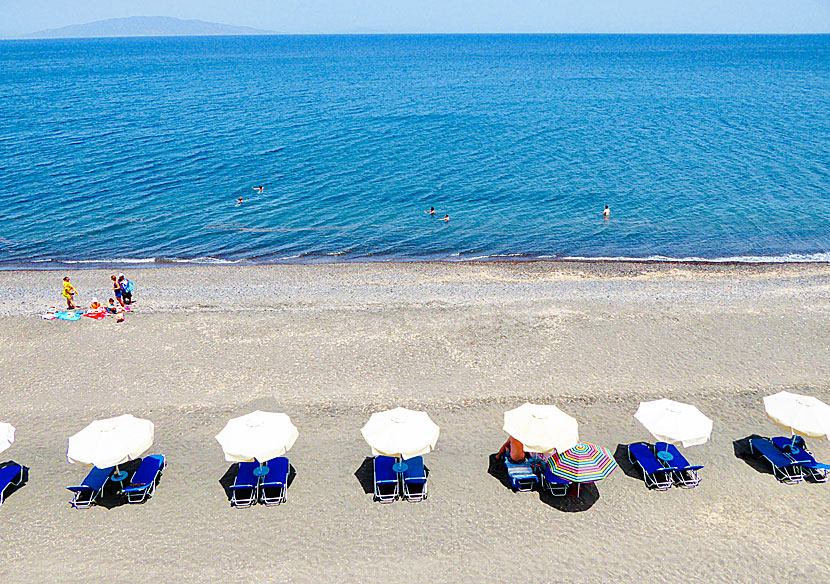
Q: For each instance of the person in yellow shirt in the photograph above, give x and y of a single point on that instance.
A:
(68, 293)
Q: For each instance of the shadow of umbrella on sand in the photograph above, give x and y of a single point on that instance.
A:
(742, 451)
(588, 495)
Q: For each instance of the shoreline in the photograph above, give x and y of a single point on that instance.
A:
(822, 258)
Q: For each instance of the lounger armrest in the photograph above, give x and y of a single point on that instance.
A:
(134, 489)
(240, 487)
(816, 465)
(693, 467)
(79, 488)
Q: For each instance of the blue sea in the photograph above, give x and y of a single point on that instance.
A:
(119, 151)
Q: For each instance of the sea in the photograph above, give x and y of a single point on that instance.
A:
(135, 151)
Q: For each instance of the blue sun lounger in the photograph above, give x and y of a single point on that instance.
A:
(796, 450)
(11, 474)
(557, 486)
(521, 475)
(655, 474)
(143, 482)
(685, 474)
(245, 485)
(91, 488)
(783, 469)
(275, 484)
(415, 479)
(386, 479)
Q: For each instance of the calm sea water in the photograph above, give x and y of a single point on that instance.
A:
(135, 150)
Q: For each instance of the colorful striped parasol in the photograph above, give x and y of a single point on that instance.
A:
(584, 463)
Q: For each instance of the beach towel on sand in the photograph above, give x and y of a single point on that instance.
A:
(48, 316)
(97, 314)
(64, 315)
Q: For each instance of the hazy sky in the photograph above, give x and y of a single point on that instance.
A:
(338, 16)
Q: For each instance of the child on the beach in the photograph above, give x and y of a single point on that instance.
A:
(115, 310)
(69, 293)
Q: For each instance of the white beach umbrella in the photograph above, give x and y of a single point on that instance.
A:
(6, 436)
(400, 432)
(542, 428)
(257, 436)
(674, 422)
(111, 442)
(800, 414)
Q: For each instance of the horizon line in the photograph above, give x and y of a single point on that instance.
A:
(26, 37)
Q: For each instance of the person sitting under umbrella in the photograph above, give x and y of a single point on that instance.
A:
(513, 449)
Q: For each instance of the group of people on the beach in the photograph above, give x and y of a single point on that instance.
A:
(117, 305)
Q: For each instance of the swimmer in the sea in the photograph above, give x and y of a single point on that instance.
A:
(258, 189)
(607, 212)
(431, 211)
(239, 201)
(446, 218)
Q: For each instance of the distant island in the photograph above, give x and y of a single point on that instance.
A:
(144, 26)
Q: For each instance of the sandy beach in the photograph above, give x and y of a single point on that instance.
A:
(330, 344)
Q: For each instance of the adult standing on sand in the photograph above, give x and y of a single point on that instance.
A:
(126, 290)
(116, 290)
(69, 293)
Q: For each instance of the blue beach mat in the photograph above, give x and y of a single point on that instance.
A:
(64, 315)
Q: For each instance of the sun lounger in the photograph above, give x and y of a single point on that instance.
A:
(796, 450)
(275, 483)
(557, 486)
(685, 475)
(11, 474)
(143, 482)
(783, 469)
(415, 479)
(521, 475)
(655, 474)
(386, 479)
(245, 485)
(91, 488)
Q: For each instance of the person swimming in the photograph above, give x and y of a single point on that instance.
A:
(239, 201)
(446, 218)
(431, 211)
(607, 212)
(258, 189)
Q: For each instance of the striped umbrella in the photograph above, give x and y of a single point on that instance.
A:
(584, 463)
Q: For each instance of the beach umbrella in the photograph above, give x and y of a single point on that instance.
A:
(257, 436)
(110, 442)
(584, 463)
(542, 428)
(674, 422)
(400, 433)
(6, 436)
(800, 414)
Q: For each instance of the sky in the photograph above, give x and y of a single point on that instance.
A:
(442, 16)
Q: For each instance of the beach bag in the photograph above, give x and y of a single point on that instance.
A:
(128, 286)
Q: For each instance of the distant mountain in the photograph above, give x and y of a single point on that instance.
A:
(144, 26)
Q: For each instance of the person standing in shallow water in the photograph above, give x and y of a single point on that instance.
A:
(606, 213)
(69, 293)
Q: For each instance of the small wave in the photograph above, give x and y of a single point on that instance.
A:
(790, 258)
(112, 261)
(200, 260)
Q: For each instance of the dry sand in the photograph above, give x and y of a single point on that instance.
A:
(330, 344)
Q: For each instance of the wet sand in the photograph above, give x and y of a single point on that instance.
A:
(330, 344)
